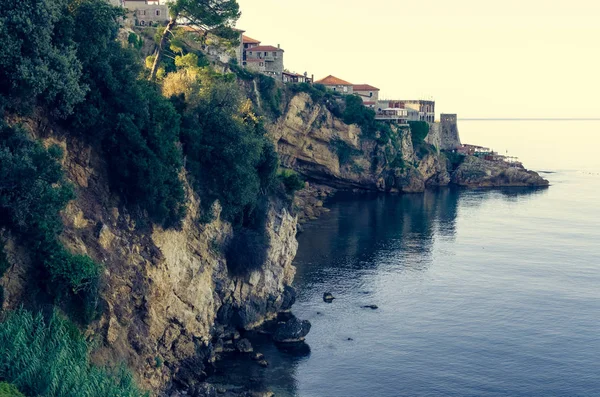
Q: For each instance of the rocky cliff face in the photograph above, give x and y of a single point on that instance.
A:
(476, 172)
(312, 141)
(167, 297)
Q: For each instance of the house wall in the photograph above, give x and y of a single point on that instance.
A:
(365, 95)
(147, 13)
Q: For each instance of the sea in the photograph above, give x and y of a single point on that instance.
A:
(479, 292)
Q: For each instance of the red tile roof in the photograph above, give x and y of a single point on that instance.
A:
(249, 40)
(332, 80)
(369, 103)
(365, 87)
(265, 48)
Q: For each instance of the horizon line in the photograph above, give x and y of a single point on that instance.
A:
(529, 118)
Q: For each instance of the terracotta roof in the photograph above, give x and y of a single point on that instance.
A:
(332, 80)
(264, 48)
(249, 40)
(368, 102)
(365, 87)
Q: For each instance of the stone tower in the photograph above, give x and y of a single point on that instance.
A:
(450, 139)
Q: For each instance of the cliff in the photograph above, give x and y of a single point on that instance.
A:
(315, 143)
(167, 296)
(333, 155)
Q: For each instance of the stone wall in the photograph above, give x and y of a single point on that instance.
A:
(450, 138)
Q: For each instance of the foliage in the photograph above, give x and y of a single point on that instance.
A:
(137, 127)
(270, 95)
(33, 191)
(4, 264)
(49, 358)
(247, 250)
(453, 160)
(38, 62)
(8, 390)
(241, 72)
(229, 158)
(317, 92)
(291, 181)
(419, 131)
(210, 14)
(344, 151)
(135, 41)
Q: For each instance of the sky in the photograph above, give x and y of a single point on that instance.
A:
(477, 58)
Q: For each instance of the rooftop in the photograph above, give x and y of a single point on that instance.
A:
(365, 87)
(249, 40)
(265, 48)
(332, 80)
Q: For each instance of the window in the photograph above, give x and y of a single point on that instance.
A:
(370, 95)
(142, 23)
(274, 54)
(345, 89)
(157, 13)
(266, 53)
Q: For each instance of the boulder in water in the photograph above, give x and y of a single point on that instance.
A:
(291, 331)
(373, 307)
(328, 297)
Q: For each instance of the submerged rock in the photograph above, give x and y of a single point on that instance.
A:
(328, 297)
(291, 331)
(373, 307)
(244, 346)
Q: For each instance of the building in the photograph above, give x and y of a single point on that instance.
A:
(265, 59)
(246, 43)
(385, 111)
(291, 77)
(450, 137)
(146, 12)
(337, 84)
(418, 110)
(368, 94)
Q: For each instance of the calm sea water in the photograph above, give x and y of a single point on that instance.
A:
(480, 293)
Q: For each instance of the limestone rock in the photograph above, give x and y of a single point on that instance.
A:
(476, 172)
(292, 330)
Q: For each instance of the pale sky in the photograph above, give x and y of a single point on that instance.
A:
(477, 58)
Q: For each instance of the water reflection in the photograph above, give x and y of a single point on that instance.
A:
(348, 251)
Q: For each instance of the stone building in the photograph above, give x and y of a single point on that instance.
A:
(368, 94)
(449, 136)
(146, 12)
(337, 84)
(418, 109)
(291, 77)
(264, 59)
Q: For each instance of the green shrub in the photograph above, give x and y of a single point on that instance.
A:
(50, 358)
(419, 131)
(247, 250)
(291, 181)
(229, 158)
(270, 95)
(33, 190)
(344, 151)
(8, 390)
(38, 64)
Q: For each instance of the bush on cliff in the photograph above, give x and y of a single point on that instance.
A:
(33, 191)
(8, 390)
(229, 158)
(292, 182)
(48, 357)
(419, 131)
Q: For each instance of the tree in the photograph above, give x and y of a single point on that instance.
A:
(38, 61)
(212, 16)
